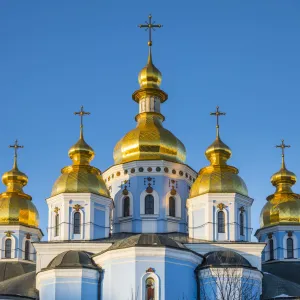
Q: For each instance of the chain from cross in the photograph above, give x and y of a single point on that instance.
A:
(81, 113)
(16, 146)
(282, 146)
(150, 26)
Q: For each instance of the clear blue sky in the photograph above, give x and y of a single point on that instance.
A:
(240, 55)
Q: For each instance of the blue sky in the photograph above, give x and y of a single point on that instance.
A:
(240, 55)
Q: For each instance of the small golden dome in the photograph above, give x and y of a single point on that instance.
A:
(150, 76)
(149, 141)
(283, 207)
(80, 177)
(218, 177)
(16, 207)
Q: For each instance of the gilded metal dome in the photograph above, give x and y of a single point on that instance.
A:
(16, 207)
(149, 141)
(283, 207)
(218, 177)
(80, 177)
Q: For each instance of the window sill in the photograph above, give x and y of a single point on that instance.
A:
(173, 218)
(154, 216)
(124, 219)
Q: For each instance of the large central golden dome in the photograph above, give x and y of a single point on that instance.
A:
(80, 177)
(16, 207)
(149, 140)
(283, 207)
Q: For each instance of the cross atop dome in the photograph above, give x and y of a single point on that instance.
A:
(16, 147)
(282, 146)
(81, 113)
(217, 113)
(150, 26)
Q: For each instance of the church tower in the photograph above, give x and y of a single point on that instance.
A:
(219, 207)
(149, 181)
(80, 205)
(280, 217)
(19, 218)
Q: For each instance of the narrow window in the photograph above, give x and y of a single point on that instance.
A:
(126, 207)
(241, 223)
(271, 249)
(8, 248)
(221, 222)
(149, 205)
(27, 250)
(290, 248)
(56, 227)
(150, 289)
(77, 223)
(172, 211)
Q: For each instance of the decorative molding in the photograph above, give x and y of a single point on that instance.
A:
(173, 191)
(150, 270)
(28, 236)
(9, 233)
(56, 209)
(242, 209)
(77, 207)
(221, 206)
(149, 189)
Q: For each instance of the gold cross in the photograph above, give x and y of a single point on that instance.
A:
(150, 26)
(282, 146)
(81, 113)
(16, 146)
(218, 113)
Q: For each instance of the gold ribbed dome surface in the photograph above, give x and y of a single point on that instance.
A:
(16, 207)
(218, 177)
(283, 207)
(149, 141)
(80, 177)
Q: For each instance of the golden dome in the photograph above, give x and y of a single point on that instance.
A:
(150, 76)
(283, 207)
(16, 207)
(218, 177)
(149, 141)
(80, 177)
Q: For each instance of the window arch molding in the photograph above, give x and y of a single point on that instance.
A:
(142, 202)
(267, 248)
(81, 211)
(222, 236)
(31, 249)
(143, 285)
(13, 246)
(295, 245)
(177, 204)
(121, 204)
(245, 227)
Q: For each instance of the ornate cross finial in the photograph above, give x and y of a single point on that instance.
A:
(282, 146)
(16, 146)
(150, 26)
(218, 113)
(81, 113)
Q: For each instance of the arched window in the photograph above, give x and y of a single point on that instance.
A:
(290, 248)
(241, 223)
(27, 250)
(77, 222)
(126, 207)
(8, 248)
(221, 222)
(271, 249)
(172, 211)
(56, 227)
(150, 289)
(149, 205)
